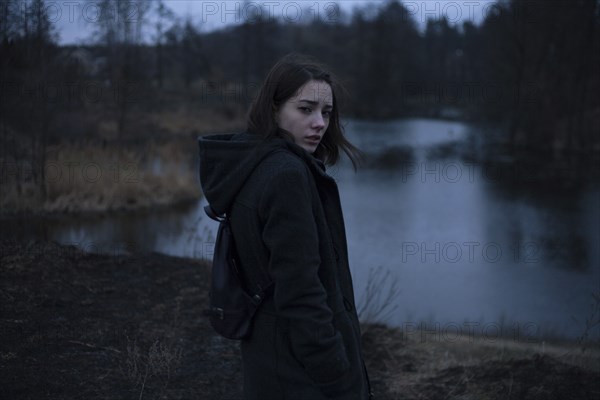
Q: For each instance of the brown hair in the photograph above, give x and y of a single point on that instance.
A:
(283, 81)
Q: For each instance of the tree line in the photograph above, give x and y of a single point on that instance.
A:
(530, 66)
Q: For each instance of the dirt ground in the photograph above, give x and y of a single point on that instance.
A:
(82, 326)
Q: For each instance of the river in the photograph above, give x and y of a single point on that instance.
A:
(451, 242)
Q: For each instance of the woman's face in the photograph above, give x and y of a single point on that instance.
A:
(306, 115)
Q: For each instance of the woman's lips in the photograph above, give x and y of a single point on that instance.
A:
(313, 139)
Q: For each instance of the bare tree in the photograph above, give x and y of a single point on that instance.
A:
(164, 16)
(119, 31)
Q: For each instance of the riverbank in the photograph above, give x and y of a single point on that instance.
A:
(92, 168)
(98, 177)
(103, 327)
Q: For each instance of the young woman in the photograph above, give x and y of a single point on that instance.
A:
(287, 221)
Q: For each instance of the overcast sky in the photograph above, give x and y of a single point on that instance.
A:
(75, 19)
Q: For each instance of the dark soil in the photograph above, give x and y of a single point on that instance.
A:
(82, 326)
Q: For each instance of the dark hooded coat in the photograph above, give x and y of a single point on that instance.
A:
(287, 220)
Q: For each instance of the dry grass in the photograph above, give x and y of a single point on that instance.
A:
(96, 178)
(377, 301)
(159, 363)
(425, 365)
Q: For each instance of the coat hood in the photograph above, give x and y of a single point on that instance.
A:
(227, 160)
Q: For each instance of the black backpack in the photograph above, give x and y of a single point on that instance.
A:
(234, 295)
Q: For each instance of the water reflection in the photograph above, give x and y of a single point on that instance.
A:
(181, 231)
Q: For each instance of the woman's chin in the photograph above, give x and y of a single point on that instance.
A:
(308, 147)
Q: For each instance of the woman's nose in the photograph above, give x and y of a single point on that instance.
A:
(318, 122)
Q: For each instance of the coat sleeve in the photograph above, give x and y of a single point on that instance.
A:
(290, 235)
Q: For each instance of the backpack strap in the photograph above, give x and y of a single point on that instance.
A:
(259, 282)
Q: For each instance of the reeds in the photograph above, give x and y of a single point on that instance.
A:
(93, 177)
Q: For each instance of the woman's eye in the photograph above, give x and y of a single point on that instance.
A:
(327, 114)
(307, 110)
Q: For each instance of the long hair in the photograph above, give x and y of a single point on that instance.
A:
(283, 82)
